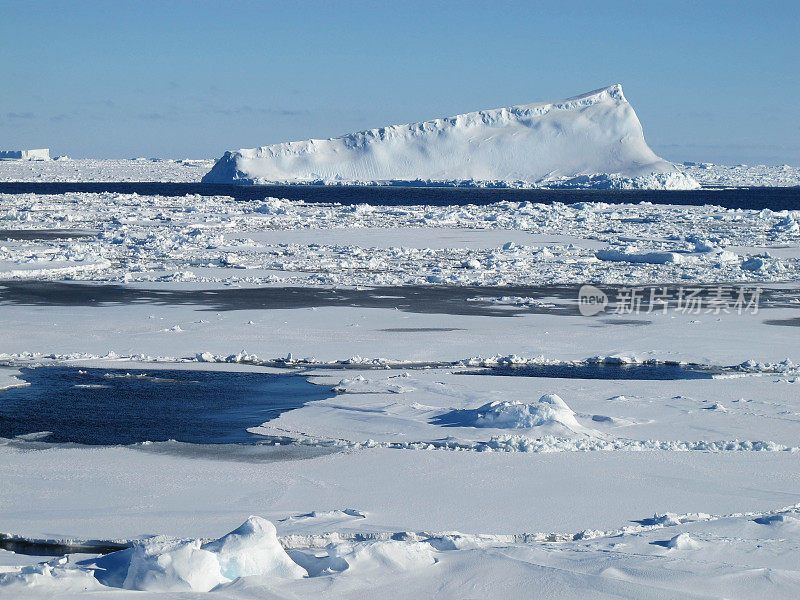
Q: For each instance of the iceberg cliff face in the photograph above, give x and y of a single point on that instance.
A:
(592, 140)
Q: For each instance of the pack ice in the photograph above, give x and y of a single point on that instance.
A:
(592, 140)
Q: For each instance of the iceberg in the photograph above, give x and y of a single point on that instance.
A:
(593, 140)
(35, 154)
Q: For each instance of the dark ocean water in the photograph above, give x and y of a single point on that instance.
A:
(748, 198)
(641, 372)
(110, 406)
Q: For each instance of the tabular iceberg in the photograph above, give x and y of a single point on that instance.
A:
(592, 140)
(36, 154)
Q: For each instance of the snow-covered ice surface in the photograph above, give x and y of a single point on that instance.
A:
(9, 378)
(593, 140)
(709, 174)
(217, 239)
(86, 169)
(193, 170)
(448, 470)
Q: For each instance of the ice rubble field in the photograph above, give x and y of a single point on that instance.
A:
(439, 481)
(214, 239)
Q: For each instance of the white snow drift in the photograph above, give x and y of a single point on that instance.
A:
(591, 140)
(550, 413)
(165, 565)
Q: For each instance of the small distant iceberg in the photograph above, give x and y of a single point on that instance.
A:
(35, 154)
(591, 141)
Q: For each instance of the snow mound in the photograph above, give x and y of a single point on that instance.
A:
(167, 565)
(389, 555)
(778, 520)
(717, 406)
(328, 514)
(171, 566)
(592, 140)
(55, 576)
(683, 541)
(253, 549)
(550, 413)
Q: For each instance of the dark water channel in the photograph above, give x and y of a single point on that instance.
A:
(111, 406)
(403, 195)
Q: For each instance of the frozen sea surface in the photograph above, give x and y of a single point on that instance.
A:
(602, 487)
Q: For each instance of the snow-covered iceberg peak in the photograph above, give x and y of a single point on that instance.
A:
(591, 140)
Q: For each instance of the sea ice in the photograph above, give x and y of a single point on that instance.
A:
(709, 174)
(216, 239)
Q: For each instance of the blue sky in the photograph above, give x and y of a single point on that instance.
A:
(714, 80)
